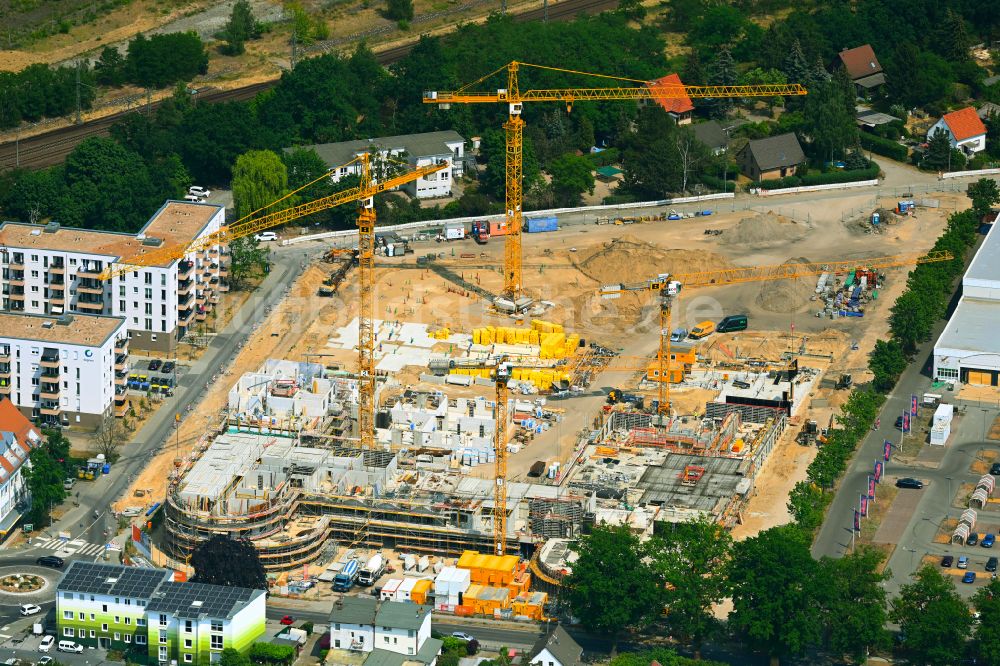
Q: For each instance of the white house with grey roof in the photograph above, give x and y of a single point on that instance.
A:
(557, 648)
(968, 350)
(418, 150)
(391, 632)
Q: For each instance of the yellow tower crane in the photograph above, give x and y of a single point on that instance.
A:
(248, 225)
(515, 98)
(669, 286)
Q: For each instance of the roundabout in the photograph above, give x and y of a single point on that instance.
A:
(26, 584)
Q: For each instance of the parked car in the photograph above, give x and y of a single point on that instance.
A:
(46, 644)
(899, 423)
(168, 367)
(995, 469)
(45, 661)
(973, 539)
(991, 564)
(265, 236)
(199, 191)
(907, 482)
(947, 561)
(461, 635)
(963, 562)
(969, 577)
(155, 364)
(988, 540)
(702, 330)
(30, 609)
(190, 198)
(50, 561)
(287, 620)
(678, 335)
(70, 646)
(68, 483)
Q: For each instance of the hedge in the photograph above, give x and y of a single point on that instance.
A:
(268, 653)
(886, 147)
(820, 178)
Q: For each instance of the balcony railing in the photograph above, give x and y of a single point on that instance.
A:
(50, 361)
(49, 409)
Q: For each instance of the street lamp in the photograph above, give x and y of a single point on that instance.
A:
(985, 412)
(950, 496)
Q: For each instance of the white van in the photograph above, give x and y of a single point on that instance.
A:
(190, 198)
(46, 643)
(265, 236)
(70, 646)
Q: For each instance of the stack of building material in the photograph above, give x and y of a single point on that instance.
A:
(941, 425)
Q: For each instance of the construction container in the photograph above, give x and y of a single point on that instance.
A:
(535, 225)
(487, 600)
(530, 605)
(454, 231)
(388, 591)
(420, 594)
(489, 569)
(943, 414)
(405, 589)
(940, 434)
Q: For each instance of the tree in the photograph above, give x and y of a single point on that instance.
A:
(912, 317)
(987, 636)
(796, 67)
(109, 437)
(933, 617)
(233, 657)
(690, 153)
(572, 175)
(760, 76)
(723, 73)
(829, 125)
(887, 362)
(854, 602)
(247, 260)
(44, 478)
(692, 558)
(241, 28)
(647, 170)
(773, 577)
(953, 43)
(228, 562)
(399, 10)
(984, 193)
(259, 178)
(162, 60)
(110, 67)
(806, 503)
(611, 587)
(211, 136)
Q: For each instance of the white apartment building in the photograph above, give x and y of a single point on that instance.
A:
(50, 270)
(17, 438)
(419, 150)
(67, 370)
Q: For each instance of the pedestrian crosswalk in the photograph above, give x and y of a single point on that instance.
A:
(73, 547)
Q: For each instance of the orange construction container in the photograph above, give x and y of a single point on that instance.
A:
(489, 569)
(530, 604)
(420, 591)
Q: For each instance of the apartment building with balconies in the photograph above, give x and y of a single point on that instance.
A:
(51, 270)
(68, 370)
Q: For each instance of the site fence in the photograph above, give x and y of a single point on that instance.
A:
(815, 188)
(432, 224)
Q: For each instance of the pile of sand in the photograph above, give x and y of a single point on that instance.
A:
(629, 259)
(763, 229)
(786, 296)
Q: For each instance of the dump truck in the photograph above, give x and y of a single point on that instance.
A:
(481, 231)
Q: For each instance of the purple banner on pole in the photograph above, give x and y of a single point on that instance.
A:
(864, 505)
(871, 487)
(886, 450)
(857, 521)
(906, 422)
(878, 470)
(913, 405)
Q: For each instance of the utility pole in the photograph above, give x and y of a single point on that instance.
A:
(503, 6)
(545, 11)
(79, 118)
(149, 101)
(294, 44)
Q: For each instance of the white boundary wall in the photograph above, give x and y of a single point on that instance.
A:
(977, 172)
(815, 188)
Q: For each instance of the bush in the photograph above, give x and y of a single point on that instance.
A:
(885, 147)
(606, 157)
(779, 183)
(841, 176)
(307, 627)
(268, 653)
(615, 199)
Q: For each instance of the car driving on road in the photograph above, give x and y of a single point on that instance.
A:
(907, 482)
(30, 609)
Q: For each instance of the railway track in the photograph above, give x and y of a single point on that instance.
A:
(51, 148)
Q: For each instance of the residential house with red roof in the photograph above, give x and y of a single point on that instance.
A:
(863, 68)
(678, 107)
(17, 438)
(965, 130)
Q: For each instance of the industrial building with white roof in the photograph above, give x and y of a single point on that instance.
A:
(968, 350)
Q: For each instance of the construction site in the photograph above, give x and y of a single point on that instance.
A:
(580, 427)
